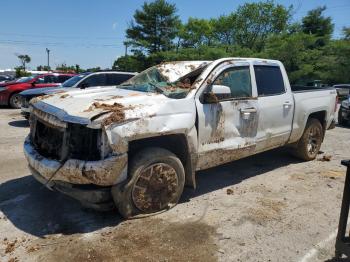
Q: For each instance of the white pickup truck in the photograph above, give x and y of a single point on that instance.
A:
(136, 146)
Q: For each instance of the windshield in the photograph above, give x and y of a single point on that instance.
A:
(155, 81)
(72, 81)
(25, 79)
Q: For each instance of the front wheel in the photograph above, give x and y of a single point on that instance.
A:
(15, 101)
(156, 181)
(311, 140)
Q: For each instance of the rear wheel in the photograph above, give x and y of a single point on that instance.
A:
(156, 181)
(311, 140)
(15, 101)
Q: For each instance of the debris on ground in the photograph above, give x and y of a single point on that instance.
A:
(229, 191)
(10, 247)
(325, 158)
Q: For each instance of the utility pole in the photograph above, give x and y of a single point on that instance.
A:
(126, 48)
(48, 58)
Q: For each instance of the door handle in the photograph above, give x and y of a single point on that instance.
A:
(248, 110)
(287, 104)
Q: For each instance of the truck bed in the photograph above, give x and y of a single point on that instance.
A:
(299, 88)
(312, 100)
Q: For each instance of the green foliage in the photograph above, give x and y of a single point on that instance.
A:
(64, 68)
(42, 68)
(196, 32)
(254, 22)
(154, 27)
(346, 33)
(316, 24)
(258, 29)
(24, 59)
(20, 72)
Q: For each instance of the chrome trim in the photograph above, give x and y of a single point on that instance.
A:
(60, 113)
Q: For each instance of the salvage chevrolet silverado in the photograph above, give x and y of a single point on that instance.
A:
(142, 142)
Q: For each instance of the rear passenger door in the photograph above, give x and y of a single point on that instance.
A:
(276, 106)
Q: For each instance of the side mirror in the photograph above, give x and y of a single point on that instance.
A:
(84, 85)
(217, 93)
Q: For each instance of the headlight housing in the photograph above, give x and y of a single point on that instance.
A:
(2, 89)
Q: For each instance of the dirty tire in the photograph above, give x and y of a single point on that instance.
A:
(341, 120)
(15, 101)
(311, 140)
(155, 183)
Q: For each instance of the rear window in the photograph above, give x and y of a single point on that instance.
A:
(269, 80)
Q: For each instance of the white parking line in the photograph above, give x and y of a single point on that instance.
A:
(314, 251)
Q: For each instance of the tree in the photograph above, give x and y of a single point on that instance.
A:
(346, 33)
(316, 24)
(24, 59)
(254, 22)
(224, 29)
(196, 32)
(42, 68)
(154, 27)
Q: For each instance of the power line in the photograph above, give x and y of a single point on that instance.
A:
(62, 36)
(36, 43)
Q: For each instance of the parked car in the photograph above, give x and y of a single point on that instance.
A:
(344, 112)
(82, 81)
(342, 89)
(140, 143)
(9, 92)
(5, 78)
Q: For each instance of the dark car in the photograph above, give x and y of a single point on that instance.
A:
(9, 91)
(84, 80)
(344, 112)
(342, 89)
(5, 78)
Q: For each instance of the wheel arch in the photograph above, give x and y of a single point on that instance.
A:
(320, 116)
(175, 143)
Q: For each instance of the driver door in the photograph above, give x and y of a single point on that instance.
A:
(227, 128)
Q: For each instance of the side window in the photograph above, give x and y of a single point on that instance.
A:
(40, 80)
(269, 80)
(238, 80)
(94, 80)
(62, 78)
(117, 79)
(49, 79)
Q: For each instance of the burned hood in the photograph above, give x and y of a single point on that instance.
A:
(97, 105)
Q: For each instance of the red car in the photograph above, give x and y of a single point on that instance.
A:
(9, 91)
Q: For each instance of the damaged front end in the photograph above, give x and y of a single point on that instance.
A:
(72, 158)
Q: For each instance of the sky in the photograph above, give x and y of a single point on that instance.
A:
(91, 33)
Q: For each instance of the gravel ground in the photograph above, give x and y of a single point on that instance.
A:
(268, 207)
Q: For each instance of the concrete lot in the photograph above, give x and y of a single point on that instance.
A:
(269, 207)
